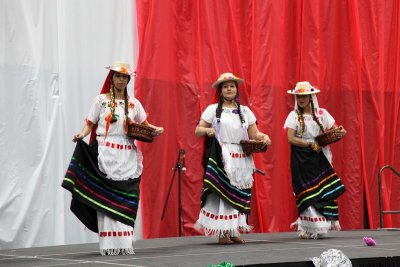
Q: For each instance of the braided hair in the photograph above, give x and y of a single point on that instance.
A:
(114, 117)
(315, 117)
(300, 118)
(221, 101)
(126, 105)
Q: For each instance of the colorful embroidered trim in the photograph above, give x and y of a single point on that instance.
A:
(313, 219)
(238, 155)
(117, 146)
(114, 234)
(220, 217)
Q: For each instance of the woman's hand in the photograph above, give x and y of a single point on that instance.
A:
(157, 131)
(266, 140)
(315, 147)
(77, 137)
(255, 134)
(85, 131)
(341, 130)
(210, 132)
(204, 129)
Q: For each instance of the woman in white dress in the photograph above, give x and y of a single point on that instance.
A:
(315, 183)
(228, 176)
(104, 177)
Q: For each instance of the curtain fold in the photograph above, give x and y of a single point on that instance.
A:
(350, 50)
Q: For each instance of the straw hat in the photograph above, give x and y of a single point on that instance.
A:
(226, 77)
(121, 67)
(303, 88)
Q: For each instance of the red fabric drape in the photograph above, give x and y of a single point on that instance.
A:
(348, 49)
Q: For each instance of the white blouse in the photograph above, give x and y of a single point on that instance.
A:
(230, 127)
(101, 109)
(311, 128)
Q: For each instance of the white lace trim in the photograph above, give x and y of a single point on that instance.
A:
(222, 233)
(314, 229)
(221, 227)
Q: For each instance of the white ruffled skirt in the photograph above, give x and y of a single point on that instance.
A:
(311, 224)
(219, 219)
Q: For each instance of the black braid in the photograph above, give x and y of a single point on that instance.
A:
(126, 105)
(300, 113)
(238, 104)
(114, 118)
(220, 102)
(315, 116)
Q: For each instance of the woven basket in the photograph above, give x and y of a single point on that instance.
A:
(140, 132)
(329, 137)
(253, 146)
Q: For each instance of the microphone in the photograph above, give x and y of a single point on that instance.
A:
(183, 160)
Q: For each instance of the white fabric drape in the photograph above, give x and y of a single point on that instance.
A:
(52, 58)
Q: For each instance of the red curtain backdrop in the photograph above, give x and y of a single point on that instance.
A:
(350, 50)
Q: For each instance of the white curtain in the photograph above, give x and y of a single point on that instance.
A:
(52, 58)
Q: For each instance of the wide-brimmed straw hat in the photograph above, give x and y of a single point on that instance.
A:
(121, 67)
(226, 77)
(303, 88)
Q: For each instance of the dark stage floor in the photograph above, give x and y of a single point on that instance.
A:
(273, 249)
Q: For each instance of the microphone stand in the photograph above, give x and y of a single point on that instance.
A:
(178, 167)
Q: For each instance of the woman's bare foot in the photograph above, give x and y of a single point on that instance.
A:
(305, 236)
(224, 240)
(237, 239)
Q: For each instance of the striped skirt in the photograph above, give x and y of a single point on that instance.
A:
(316, 188)
(94, 196)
